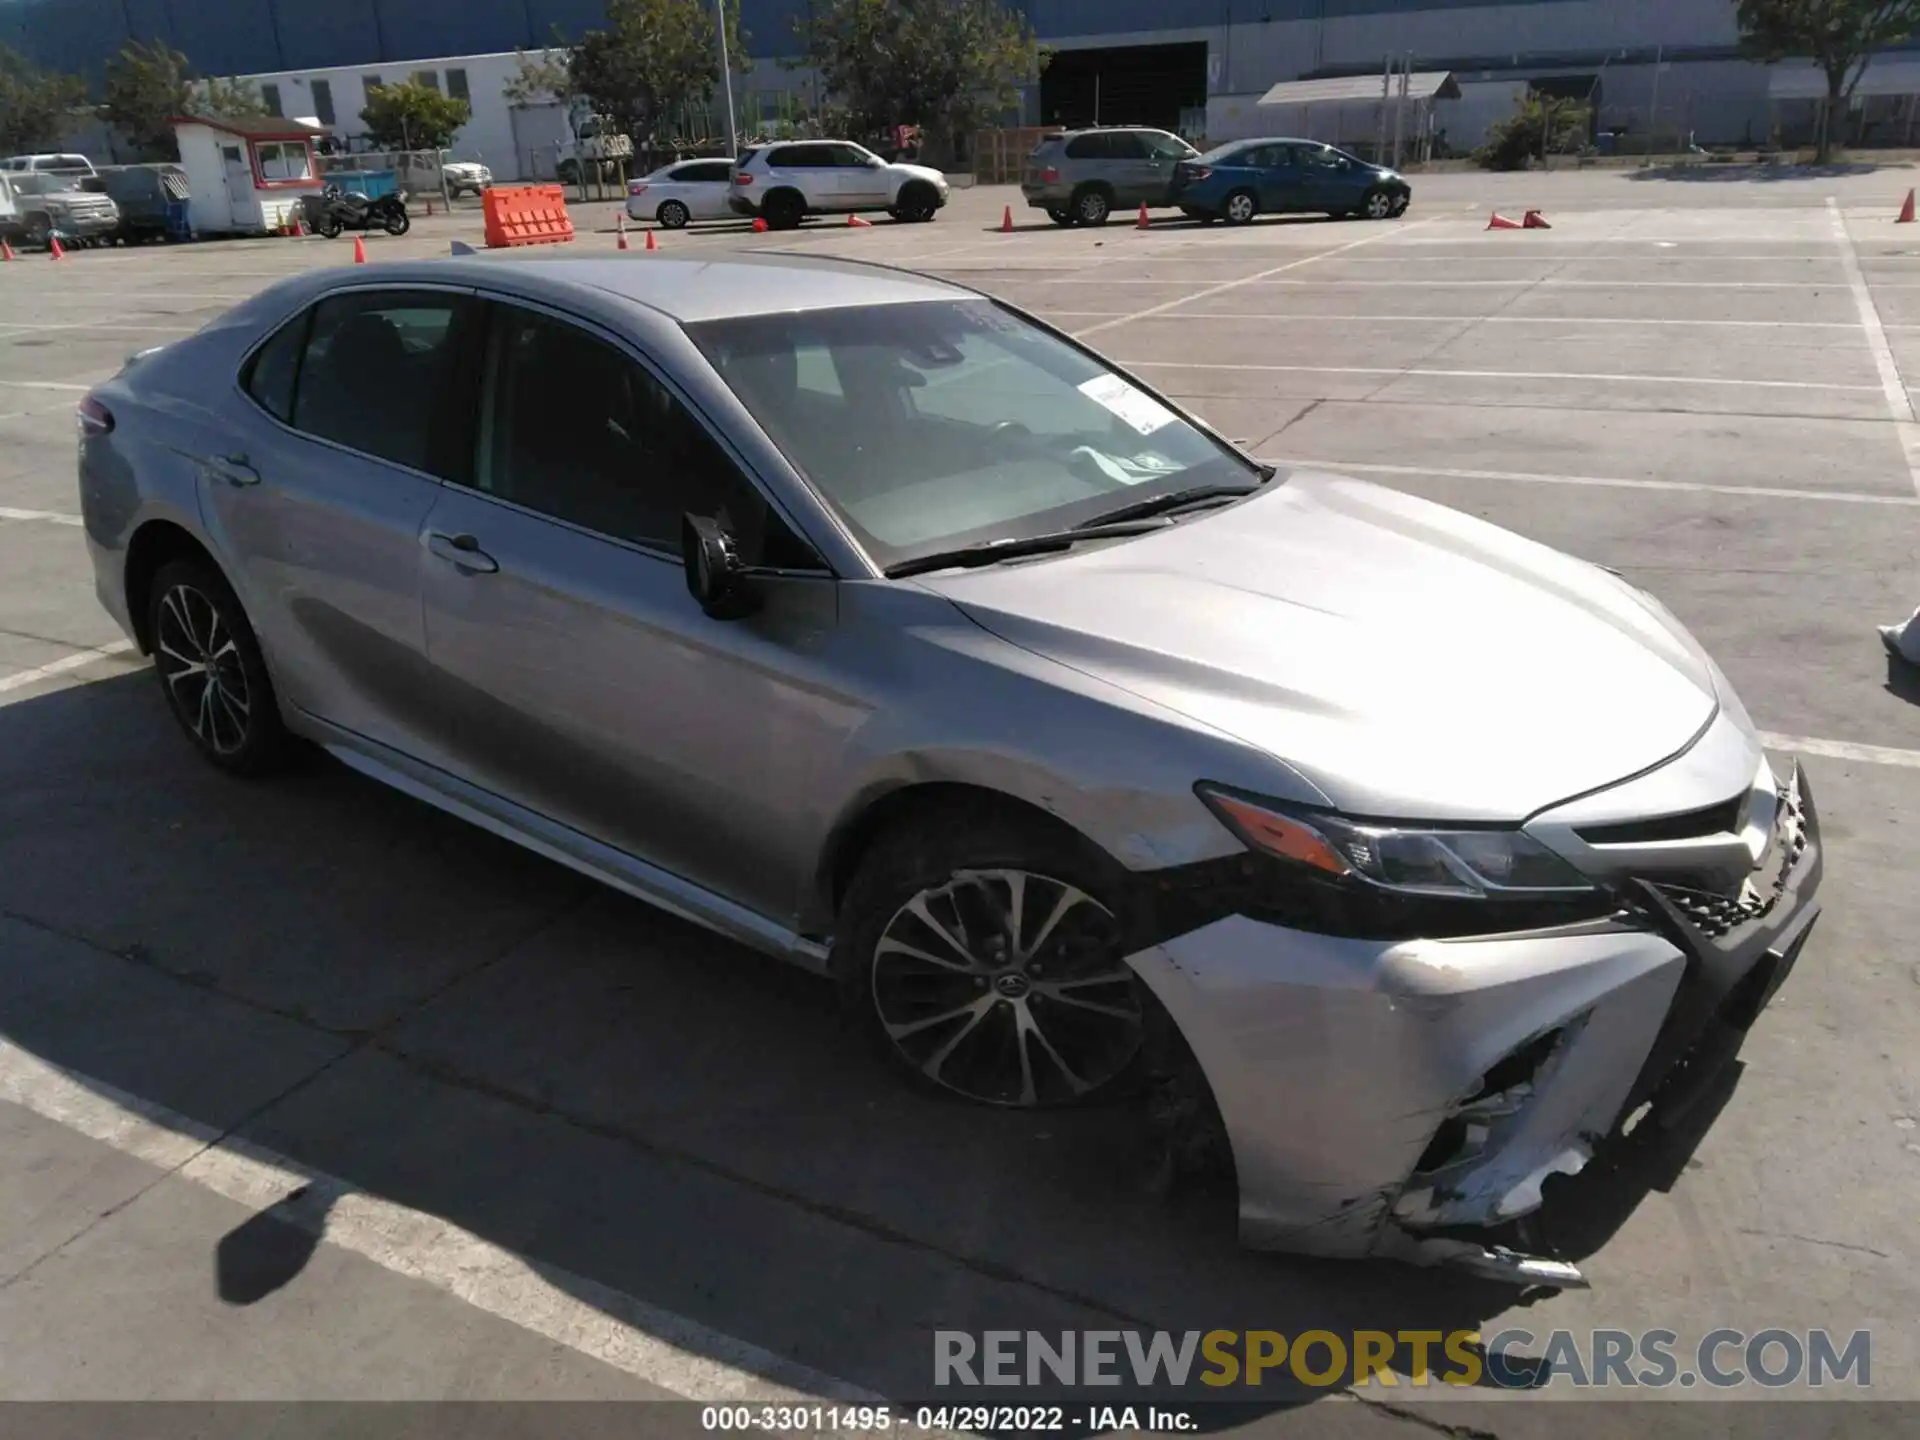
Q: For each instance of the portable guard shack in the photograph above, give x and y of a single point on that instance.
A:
(247, 175)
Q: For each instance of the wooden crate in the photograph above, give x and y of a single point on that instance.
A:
(999, 155)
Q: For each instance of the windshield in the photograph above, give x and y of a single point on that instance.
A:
(41, 184)
(949, 423)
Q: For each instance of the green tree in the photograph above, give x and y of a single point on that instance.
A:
(146, 86)
(36, 105)
(1540, 125)
(538, 79)
(412, 116)
(948, 66)
(1839, 36)
(654, 58)
(234, 99)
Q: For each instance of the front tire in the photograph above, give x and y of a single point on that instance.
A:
(673, 215)
(917, 204)
(985, 959)
(1377, 205)
(212, 672)
(327, 227)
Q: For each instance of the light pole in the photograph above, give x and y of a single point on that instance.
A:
(726, 76)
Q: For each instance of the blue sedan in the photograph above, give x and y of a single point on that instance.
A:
(1244, 178)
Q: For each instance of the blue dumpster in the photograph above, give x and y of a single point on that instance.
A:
(368, 184)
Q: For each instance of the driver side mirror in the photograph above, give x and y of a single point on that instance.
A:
(717, 578)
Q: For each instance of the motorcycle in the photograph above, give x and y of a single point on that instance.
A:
(334, 210)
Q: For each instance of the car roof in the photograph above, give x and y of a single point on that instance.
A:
(688, 291)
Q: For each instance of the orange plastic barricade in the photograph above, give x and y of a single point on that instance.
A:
(526, 215)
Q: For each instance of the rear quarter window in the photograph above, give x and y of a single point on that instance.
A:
(269, 376)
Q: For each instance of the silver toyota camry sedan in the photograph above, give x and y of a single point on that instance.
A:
(872, 623)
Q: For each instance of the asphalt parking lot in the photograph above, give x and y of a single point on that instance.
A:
(562, 1146)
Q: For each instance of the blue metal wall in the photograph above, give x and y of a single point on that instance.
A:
(237, 37)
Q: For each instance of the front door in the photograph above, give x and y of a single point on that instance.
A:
(576, 675)
(1333, 183)
(320, 488)
(860, 180)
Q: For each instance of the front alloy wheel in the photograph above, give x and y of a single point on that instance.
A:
(1379, 205)
(1007, 987)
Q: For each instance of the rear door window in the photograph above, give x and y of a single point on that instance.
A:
(1127, 145)
(376, 372)
(1090, 147)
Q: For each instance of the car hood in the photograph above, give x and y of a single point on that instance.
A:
(1408, 660)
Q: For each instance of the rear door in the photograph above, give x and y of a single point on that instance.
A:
(319, 490)
(702, 184)
(1279, 178)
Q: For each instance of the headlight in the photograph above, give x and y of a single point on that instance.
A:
(1489, 863)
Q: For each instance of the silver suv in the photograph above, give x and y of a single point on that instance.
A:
(1082, 176)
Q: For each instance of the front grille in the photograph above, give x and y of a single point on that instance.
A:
(1721, 819)
(1715, 914)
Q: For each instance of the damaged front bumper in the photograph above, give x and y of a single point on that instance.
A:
(1382, 1096)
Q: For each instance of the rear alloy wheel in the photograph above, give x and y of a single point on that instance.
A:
(211, 670)
(1378, 205)
(784, 210)
(398, 222)
(1092, 207)
(1240, 208)
(673, 215)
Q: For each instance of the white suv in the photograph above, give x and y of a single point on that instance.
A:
(787, 182)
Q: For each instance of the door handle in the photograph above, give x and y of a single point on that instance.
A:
(463, 552)
(235, 470)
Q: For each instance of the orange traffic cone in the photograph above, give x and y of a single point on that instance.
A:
(54, 251)
(1006, 221)
(1534, 220)
(1906, 211)
(1143, 222)
(857, 223)
(1500, 222)
(621, 231)
(6, 250)
(359, 250)
(299, 225)
(759, 224)
(652, 244)
(429, 205)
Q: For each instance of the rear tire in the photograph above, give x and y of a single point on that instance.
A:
(673, 215)
(784, 210)
(1017, 995)
(211, 670)
(327, 227)
(1092, 205)
(398, 223)
(1240, 208)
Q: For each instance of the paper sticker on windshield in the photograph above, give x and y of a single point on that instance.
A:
(1138, 409)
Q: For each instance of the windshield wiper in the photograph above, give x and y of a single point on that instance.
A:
(1178, 500)
(992, 552)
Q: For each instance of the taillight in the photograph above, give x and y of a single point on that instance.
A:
(95, 418)
(743, 178)
(1050, 176)
(1197, 172)
(638, 187)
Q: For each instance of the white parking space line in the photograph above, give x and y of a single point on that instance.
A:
(1303, 318)
(1842, 750)
(1496, 374)
(46, 385)
(1523, 477)
(1257, 278)
(655, 1345)
(1328, 282)
(1899, 402)
(92, 325)
(22, 678)
(52, 517)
